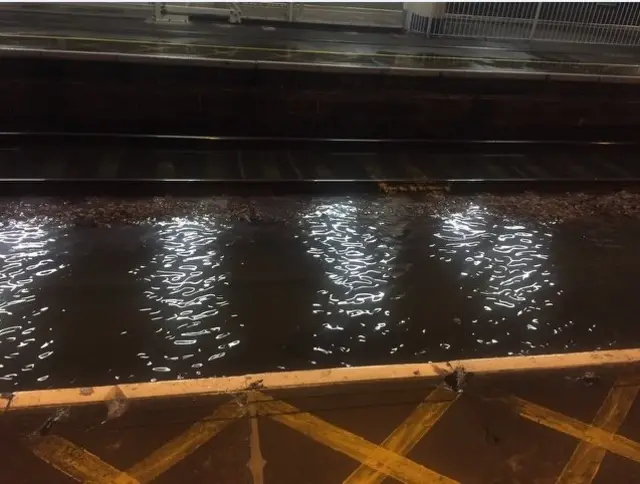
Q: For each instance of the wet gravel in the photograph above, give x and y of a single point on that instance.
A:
(105, 212)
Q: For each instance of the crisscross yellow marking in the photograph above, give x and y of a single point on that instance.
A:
(377, 458)
(407, 434)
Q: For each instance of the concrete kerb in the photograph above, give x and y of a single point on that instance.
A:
(309, 379)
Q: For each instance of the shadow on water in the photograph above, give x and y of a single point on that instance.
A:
(334, 282)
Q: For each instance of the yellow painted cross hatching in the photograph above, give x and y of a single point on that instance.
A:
(586, 459)
(590, 434)
(407, 434)
(78, 463)
(378, 458)
(377, 462)
(185, 444)
(86, 467)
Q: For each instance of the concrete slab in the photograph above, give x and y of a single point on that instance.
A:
(556, 425)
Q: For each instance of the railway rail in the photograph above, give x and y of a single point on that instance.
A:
(63, 164)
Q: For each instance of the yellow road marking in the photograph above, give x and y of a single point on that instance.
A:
(588, 433)
(407, 435)
(380, 459)
(300, 51)
(586, 459)
(59, 397)
(78, 463)
(177, 449)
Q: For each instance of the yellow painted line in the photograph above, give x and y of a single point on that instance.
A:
(586, 459)
(407, 435)
(185, 444)
(381, 460)
(318, 378)
(304, 51)
(587, 433)
(78, 463)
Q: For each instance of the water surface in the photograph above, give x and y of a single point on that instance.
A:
(335, 282)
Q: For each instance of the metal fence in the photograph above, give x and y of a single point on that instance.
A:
(362, 14)
(582, 22)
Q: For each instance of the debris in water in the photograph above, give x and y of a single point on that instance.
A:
(240, 400)
(456, 381)
(589, 378)
(60, 415)
(256, 385)
(117, 405)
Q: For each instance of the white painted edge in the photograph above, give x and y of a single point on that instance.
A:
(313, 378)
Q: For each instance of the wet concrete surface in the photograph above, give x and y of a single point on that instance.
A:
(86, 32)
(229, 286)
(516, 428)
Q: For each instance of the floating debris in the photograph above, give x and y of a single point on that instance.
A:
(256, 385)
(116, 406)
(60, 415)
(589, 378)
(241, 400)
(456, 381)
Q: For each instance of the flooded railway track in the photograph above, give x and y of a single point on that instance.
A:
(57, 164)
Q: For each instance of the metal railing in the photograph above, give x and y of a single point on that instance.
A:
(366, 15)
(581, 22)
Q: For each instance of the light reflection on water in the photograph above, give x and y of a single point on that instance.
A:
(26, 339)
(378, 297)
(187, 304)
(505, 272)
(357, 260)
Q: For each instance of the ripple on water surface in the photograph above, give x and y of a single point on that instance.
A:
(384, 283)
(27, 337)
(505, 274)
(187, 307)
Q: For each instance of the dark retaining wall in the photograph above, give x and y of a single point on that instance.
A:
(99, 96)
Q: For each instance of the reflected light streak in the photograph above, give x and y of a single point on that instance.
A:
(187, 306)
(25, 261)
(358, 264)
(505, 265)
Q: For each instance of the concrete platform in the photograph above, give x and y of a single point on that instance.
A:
(80, 32)
(80, 72)
(571, 418)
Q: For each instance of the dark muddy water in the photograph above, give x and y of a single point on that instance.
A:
(335, 282)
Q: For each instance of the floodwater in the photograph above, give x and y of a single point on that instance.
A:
(337, 282)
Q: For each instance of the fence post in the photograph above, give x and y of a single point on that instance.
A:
(536, 17)
(429, 26)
